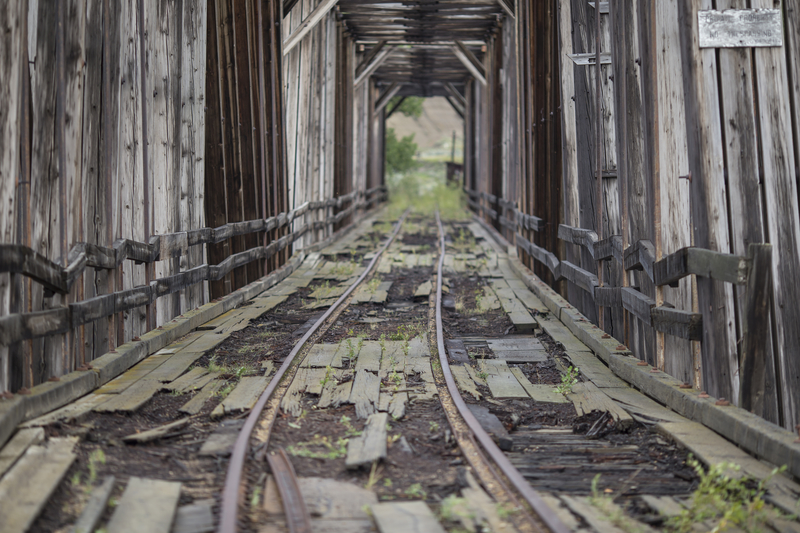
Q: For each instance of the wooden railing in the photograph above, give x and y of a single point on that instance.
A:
(754, 271)
(54, 278)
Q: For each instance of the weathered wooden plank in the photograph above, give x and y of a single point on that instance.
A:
(134, 375)
(582, 237)
(17, 446)
(638, 304)
(641, 256)
(221, 441)
(195, 518)
(320, 355)
(639, 405)
(683, 324)
(69, 413)
(538, 392)
(195, 405)
(95, 507)
(369, 357)
(465, 382)
(147, 505)
(174, 366)
(559, 333)
(193, 379)
(370, 446)
(706, 263)
(155, 433)
(587, 397)
(529, 299)
(456, 350)
(25, 489)
(131, 399)
(501, 381)
(405, 517)
(492, 425)
(365, 393)
(244, 396)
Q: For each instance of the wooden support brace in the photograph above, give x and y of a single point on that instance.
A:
(307, 25)
(641, 256)
(469, 60)
(457, 96)
(700, 262)
(374, 62)
(582, 237)
(683, 324)
(387, 96)
(456, 107)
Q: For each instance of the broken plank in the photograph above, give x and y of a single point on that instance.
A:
(245, 395)
(17, 446)
(95, 507)
(146, 506)
(195, 405)
(365, 392)
(501, 381)
(600, 520)
(465, 382)
(176, 365)
(25, 489)
(316, 378)
(397, 407)
(290, 403)
(71, 412)
(131, 399)
(320, 355)
(594, 370)
(334, 395)
(195, 518)
(424, 290)
(121, 383)
(666, 506)
(540, 393)
(640, 405)
(559, 333)
(492, 425)
(405, 517)
(456, 350)
(475, 375)
(587, 398)
(529, 299)
(370, 446)
(155, 433)
(221, 441)
(369, 357)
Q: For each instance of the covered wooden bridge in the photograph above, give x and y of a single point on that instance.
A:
(640, 157)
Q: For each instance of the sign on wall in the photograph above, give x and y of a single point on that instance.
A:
(740, 28)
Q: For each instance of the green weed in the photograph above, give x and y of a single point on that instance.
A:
(567, 381)
(320, 448)
(416, 491)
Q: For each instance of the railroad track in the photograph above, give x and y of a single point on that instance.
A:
(401, 400)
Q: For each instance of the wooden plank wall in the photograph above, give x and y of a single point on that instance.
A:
(309, 87)
(100, 194)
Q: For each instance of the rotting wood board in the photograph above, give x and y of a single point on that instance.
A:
(221, 441)
(74, 411)
(501, 381)
(492, 425)
(320, 356)
(155, 433)
(95, 507)
(405, 517)
(370, 446)
(195, 518)
(243, 397)
(365, 393)
(369, 357)
(25, 489)
(195, 405)
(559, 333)
(146, 506)
(16, 447)
(465, 382)
(139, 371)
(538, 392)
(131, 399)
(587, 398)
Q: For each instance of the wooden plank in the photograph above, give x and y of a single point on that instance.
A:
(195, 518)
(587, 397)
(221, 441)
(423, 291)
(365, 392)
(529, 299)
(456, 350)
(639, 405)
(134, 375)
(147, 505)
(492, 425)
(174, 366)
(69, 413)
(538, 392)
(560, 334)
(195, 405)
(335, 394)
(155, 433)
(706, 263)
(245, 395)
(369, 357)
(405, 517)
(594, 370)
(637, 303)
(95, 507)
(475, 375)
(315, 378)
(131, 399)
(25, 489)
(598, 518)
(501, 381)
(191, 380)
(665, 506)
(370, 446)
(683, 324)
(320, 356)
(465, 382)
(17, 446)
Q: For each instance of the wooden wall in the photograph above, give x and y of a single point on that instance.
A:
(115, 108)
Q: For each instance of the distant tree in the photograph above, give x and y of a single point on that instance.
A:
(399, 153)
(411, 106)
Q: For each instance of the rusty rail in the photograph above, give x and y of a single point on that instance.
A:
(512, 474)
(233, 479)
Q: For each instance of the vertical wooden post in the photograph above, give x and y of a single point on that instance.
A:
(756, 347)
(598, 139)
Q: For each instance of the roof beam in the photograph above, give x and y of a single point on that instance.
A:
(387, 95)
(469, 60)
(451, 89)
(373, 65)
(509, 11)
(307, 25)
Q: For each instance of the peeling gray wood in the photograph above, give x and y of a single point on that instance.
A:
(365, 392)
(245, 395)
(131, 399)
(587, 398)
(320, 355)
(370, 446)
(195, 518)
(221, 441)
(464, 381)
(538, 392)
(492, 425)
(155, 433)
(369, 356)
(146, 506)
(195, 405)
(25, 489)
(17, 446)
(95, 507)
(501, 381)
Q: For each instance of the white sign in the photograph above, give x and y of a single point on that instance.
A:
(740, 28)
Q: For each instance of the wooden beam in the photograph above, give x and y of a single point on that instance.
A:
(387, 95)
(373, 65)
(457, 108)
(756, 334)
(469, 60)
(452, 91)
(701, 262)
(638, 304)
(683, 324)
(508, 9)
(396, 107)
(307, 25)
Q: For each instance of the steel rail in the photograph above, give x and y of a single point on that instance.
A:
(294, 506)
(233, 479)
(546, 514)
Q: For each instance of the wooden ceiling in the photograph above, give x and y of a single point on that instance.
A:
(422, 32)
